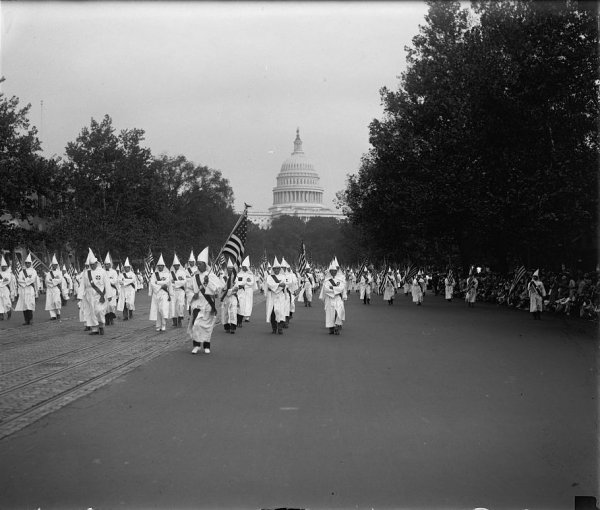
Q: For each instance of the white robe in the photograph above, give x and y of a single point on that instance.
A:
(471, 292)
(160, 305)
(28, 289)
(276, 297)
(128, 284)
(113, 278)
(246, 283)
(55, 288)
(418, 289)
(334, 294)
(537, 292)
(5, 291)
(179, 279)
(449, 283)
(389, 289)
(364, 286)
(95, 310)
(229, 301)
(201, 329)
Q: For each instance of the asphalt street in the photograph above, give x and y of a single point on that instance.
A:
(440, 406)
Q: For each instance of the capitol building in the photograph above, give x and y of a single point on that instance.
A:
(297, 193)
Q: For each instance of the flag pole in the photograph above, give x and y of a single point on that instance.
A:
(237, 224)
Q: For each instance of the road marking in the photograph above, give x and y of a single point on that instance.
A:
(288, 408)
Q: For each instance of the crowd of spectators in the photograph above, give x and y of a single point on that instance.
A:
(574, 294)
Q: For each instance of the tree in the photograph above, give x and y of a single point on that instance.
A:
(489, 146)
(26, 177)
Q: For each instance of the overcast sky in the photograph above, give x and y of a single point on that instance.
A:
(225, 84)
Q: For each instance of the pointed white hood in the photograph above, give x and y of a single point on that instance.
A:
(203, 256)
(161, 261)
(176, 260)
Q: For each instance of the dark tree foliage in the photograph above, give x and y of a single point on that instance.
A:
(117, 197)
(488, 151)
(27, 178)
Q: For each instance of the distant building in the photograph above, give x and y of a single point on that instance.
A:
(298, 192)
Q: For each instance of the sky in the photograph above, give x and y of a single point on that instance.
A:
(226, 84)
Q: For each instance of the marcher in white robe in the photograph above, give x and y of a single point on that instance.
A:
(364, 285)
(276, 298)
(287, 279)
(246, 283)
(334, 294)
(140, 280)
(449, 283)
(162, 293)
(229, 300)
(418, 288)
(537, 293)
(55, 290)
(68, 281)
(179, 278)
(471, 289)
(308, 284)
(190, 271)
(352, 286)
(128, 283)
(113, 278)
(6, 292)
(204, 287)
(97, 292)
(27, 282)
(81, 302)
(389, 287)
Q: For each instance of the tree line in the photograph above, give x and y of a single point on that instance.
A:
(488, 150)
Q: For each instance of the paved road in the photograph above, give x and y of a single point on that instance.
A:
(439, 406)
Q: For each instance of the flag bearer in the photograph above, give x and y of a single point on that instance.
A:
(179, 277)
(537, 293)
(28, 289)
(56, 289)
(229, 300)
(162, 292)
(128, 283)
(202, 289)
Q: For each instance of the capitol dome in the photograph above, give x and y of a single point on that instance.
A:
(298, 191)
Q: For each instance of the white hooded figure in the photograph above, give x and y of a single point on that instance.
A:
(389, 287)
(276, 297)
(229, 299)
(113, 278)
(96, 292)
(128, 283)
(203, 288)
(6, 292)
(334, 294)
(365, 283)
(291, 288)
(56, 290)
(537, 293)
(179, 278)
(307, 285)
(27, 282)
(418, 288)
(471, 289)
(246, 283)
(162, 292)
(449, 283)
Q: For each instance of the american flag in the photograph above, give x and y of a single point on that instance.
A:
(234, 247)
(362, 269)
(218, 263)
(263, 265)
(72, 271)
(411, 273)
(302, 259)
(519, 274)
(37, 262)
(17, 264)
(148, 261)
(382, 277)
